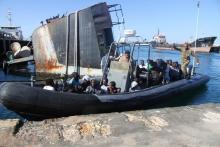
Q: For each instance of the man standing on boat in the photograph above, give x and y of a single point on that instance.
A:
(185, 57)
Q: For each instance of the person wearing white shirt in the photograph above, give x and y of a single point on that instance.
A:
(49, 85)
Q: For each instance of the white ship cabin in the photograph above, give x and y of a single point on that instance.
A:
(13, 30)
(160, 38)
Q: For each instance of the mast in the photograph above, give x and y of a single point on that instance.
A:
(196, 36)
(9, 17)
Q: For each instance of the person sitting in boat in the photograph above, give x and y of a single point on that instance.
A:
(156, 74)
(104, 86)
(140, 69)
(167, 73)
(159, 64)
(124, 57)
(85, 82)
(112, 88)
(170, 62)
(135, 85)
(163, 70)
(175, 72)
(149, 65)
(158, 71)
(93, 88)
(49, 85)
(74, 81)
(142, 66)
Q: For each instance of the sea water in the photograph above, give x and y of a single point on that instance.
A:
(209, 65)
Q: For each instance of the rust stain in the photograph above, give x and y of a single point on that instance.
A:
(48, 66)
(45, 54)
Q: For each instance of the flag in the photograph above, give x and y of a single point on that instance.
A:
(198, 4)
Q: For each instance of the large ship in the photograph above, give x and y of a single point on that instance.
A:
(203, 44)
(8, 35)
(159, 42)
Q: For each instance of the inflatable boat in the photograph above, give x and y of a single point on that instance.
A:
(35, 101)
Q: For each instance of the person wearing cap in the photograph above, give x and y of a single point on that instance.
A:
(185, 57)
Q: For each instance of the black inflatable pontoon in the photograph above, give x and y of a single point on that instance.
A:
(36, 101)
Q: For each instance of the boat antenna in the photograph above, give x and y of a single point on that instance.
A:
(9, 17)
(197, 24)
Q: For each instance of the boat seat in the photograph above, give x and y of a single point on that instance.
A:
(119, 72)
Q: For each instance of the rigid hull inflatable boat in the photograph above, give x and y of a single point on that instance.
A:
(36, 101)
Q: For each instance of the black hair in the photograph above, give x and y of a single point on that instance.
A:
(112, 83)
(127, 52)
(49, 82)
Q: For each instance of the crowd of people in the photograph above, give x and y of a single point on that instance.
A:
(148, 74)
(144, 75)
(86, 84)
(157, 72)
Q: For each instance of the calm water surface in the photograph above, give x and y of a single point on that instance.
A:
(209, 65)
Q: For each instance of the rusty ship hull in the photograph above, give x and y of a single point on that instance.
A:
(75, 42)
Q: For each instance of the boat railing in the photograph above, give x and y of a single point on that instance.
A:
(116, 45)
(117, 9)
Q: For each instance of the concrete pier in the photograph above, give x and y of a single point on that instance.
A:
(178, 126)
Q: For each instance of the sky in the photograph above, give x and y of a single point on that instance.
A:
(174, 18)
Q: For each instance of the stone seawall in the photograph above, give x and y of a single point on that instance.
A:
(176, 126)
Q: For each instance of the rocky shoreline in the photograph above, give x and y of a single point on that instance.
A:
(176, 126)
